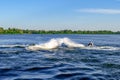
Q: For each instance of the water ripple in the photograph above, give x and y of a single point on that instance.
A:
(17, 63)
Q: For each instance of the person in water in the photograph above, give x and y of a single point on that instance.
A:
(90, 44)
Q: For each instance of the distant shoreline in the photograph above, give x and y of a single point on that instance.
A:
(22, 31)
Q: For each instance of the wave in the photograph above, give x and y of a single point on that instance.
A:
(57, 43)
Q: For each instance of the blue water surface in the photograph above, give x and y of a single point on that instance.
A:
(18, 63)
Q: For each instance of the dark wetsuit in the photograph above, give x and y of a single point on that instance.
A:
(90, 44)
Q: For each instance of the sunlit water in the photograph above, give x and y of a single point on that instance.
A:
(101, 62)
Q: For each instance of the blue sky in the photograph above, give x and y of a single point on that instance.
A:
(61, 14)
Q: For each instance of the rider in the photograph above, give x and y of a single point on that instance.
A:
(90, 44)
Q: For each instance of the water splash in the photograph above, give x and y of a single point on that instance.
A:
(55, 43)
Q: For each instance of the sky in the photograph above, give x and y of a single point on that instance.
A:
(60, 14)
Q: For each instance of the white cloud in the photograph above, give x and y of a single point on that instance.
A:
(117, 0)
(100, 11)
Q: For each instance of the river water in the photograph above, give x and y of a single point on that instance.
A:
(101, 62)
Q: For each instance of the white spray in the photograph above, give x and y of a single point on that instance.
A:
(70, 43)
(55, 43)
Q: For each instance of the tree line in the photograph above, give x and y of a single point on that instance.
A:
(23, 31)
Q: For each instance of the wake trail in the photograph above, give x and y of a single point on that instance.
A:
(56, 44)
